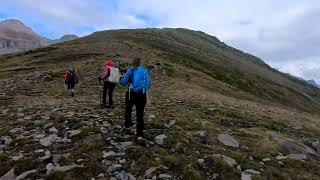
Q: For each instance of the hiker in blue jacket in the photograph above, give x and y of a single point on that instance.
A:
(139, 82)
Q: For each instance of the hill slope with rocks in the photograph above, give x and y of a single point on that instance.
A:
(214, 112)
(16, 37)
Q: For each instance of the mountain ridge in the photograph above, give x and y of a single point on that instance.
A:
(15, 36)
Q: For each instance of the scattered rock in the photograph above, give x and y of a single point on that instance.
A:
(9, 175)
(165, 176)
(251, 171)
(5, 140)
(74, 132)
(47, 141)
(122, 176)
(108, 154)
(228, 140)
(25, 174)
(152, 116)
(131, 177)
(93, 137)
(124, 145)
(47, 155)
(56, 158)
(316, 146)
(281, 157)
(116, 167)
(150, 171)
(53, 130)
(230, 161)
(203, 135)
(65, 168)
(245, 176)
(298, 157)
(200, 161)
(160, 139)
(17, 157)
(39, 151)
(266, 159)
(293, 146)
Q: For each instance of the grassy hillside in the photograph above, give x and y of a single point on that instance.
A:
(204, 89)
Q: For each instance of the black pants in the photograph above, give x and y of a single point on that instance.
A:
(71, 84)
(108, 87)
(139, 100)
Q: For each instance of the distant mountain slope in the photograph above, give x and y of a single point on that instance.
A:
(232, 71)
(16, 36)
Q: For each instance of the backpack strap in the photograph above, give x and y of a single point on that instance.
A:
(131, 79)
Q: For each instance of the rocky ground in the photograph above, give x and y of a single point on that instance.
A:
(191, 133)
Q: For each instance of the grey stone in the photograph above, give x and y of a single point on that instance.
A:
(160, 139)
(39, 151)
(25, 174)
(122, 176)
(74, 132)
(251, 171)
(116, 167)
(165, 176)
(292, 145)
(53, 130)
(316, 146)
(200, 161)
(56, 158)
(91, 138)
(17, 157)
(5, 140)
(124, 145)
(228, 140)
(245, 176)
(230, 161)
(299, 157)
(47, 141)
(108, 154)
(266, 159)
(9, 175)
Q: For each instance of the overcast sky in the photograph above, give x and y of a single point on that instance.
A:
(285, 33)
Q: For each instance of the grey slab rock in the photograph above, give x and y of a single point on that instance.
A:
(56, 158)
(74, 132)
(25, 174)
(230, 161)
(47, 141)
(9, 175)
(298, 157)
(160, 139)
(122, 176)
(292, 145)
(316, 146)
(165, 176)
(228, 140)
(116, 167)
(253, 172)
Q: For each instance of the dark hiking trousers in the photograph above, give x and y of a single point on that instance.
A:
(71, 84)
(139, 100)
(108, 87)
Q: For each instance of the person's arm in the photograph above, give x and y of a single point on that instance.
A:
(124, 81)
(77, 77)
(105, 73)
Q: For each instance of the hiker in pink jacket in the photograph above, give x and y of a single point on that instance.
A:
(108, 86)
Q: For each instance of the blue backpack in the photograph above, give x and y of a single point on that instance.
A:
(140, 81)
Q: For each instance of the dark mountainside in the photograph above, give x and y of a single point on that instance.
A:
(215, 112)
(17, 37)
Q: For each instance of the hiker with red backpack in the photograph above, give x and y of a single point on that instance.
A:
(139, 82)
(71, 78)
(110, 76)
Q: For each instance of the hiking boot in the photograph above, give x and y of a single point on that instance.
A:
(140, 141)
(128, 125)
(72, 94)
(111, 107)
